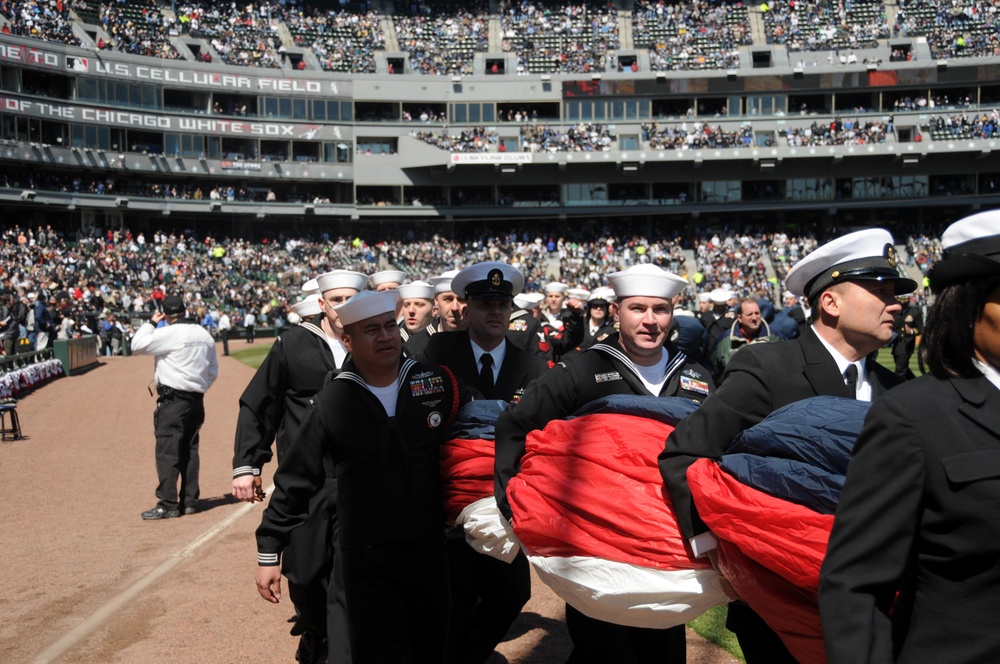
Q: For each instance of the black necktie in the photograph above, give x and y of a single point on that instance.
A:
(851, 375)
(486, 374)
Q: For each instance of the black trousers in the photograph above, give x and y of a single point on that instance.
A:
(176, 423)
(224, 336)
(249, 334)
(313, 563)
(399, 601)
(486, 597)
(321, 607)
(598, 642)
(759, 643)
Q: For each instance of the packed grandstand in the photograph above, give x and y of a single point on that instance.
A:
(87, 276)
(226, 118)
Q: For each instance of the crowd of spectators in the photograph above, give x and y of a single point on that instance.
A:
(839, 132)
(136, 28)
(953, 30)
(820, 25)
(734, 261)
(142, 188)
(476, 139)
(584, 137)
(343, 39)
(548, 36)
(241, 34)
(92, 275)
(696, 135)
(922, 251)
(39, 19)
(424, 115)
(964, 125)
(557, 37)
(694, 34)
(125, 273)
(787, 250)
(442, 40)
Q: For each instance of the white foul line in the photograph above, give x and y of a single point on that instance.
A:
(98, 617)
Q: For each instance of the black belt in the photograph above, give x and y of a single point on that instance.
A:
(169, 393)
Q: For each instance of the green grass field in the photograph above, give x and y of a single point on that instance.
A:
(885, 359)
(711, 625)
(251, 355)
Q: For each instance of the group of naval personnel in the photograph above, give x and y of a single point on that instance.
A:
(359, 395)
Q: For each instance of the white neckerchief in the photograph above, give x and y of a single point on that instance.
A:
(863, 388)
(497, 354)
(387, 395)
(989, 371)
(655, 375)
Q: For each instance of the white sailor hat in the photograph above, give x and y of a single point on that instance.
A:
(365, 305)
(971, 249)
(601, 295)
(420, 290)
(556, 287)
(342, 279)
(646, 281)
(578, 294)
(442, 282)
(526, 300)
(867, 255)
(307, 307)
(720, 295)
(787, 294)
(490, 280)
(704, 297)
(386, 277)
(311, 286)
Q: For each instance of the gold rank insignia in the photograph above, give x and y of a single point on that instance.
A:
(890, 254)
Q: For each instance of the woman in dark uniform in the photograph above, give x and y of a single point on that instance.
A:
(912, 573)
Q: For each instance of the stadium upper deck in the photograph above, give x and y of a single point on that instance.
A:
(539, 110)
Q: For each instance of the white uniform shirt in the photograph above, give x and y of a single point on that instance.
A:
(184, 352)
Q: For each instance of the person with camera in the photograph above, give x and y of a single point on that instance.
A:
(186, 366)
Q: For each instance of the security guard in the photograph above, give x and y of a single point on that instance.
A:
(637, 360)
(186, 366)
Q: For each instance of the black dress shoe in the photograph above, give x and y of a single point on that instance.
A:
(160, 513)
(310, 650)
